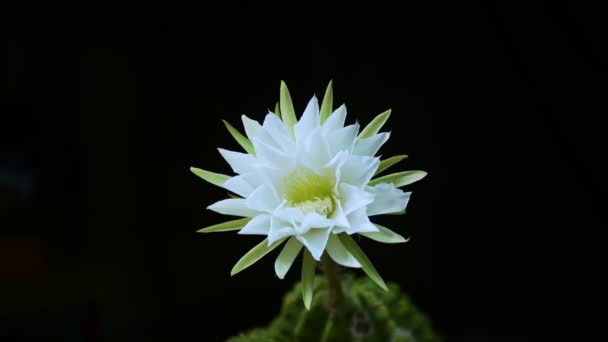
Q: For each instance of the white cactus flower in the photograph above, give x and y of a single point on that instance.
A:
(309, 183)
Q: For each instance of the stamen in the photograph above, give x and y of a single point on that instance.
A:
(310, 192)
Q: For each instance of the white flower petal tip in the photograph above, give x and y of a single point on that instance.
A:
(307, 179)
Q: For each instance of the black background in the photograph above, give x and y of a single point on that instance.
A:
(105, 107)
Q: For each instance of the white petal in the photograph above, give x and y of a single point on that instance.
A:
(315, 240)
(252, 127)
(264, 199)
(259, 225)
(290, 215)
(359, 222)
(239, 162)
(264, 174)
(254, 130)
(256, 177)
(279, 229)
(343, 139)
(277, 130)
(369, 146)
(313, 220)
(335, 120)
(332, 168)
(358, 170)
(339, 219)
(271, 156)
(353, 198)
(339, 254)
(387, 199)
(309, 121)
(238, 185)
(234, 207)
(313, 152)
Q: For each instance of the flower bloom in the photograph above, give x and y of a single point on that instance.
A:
(309, 185)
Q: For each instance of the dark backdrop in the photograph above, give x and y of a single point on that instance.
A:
(105, 107)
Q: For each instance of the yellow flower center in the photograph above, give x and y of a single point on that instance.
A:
(310, 192)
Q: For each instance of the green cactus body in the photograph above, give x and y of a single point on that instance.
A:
(368, 314)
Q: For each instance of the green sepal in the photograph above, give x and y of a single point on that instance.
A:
(211, 177)
(288, 114)
(277, 109)
(386, 163)
(226, 226)
(240, 138)
(399, 179)
(255, 254)
(375, 125)
(328, 102)
(308, 277)
(287, 256)
(366, 264)
(385, 235)
(400, 212)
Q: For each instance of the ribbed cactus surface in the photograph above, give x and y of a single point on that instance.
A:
(368, 313)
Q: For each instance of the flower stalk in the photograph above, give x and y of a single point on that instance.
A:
(331, 270)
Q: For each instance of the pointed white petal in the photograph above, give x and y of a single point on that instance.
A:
(360, 223)
(339, 254)
(358, 170)
(335, 164)
(256, 178)
(271, 156)
(343, 139)
(339, 219)
(283, 223)
(264, 199)
(278, 231)
(277, 130)
(239, 186)
(252, 127)
(233, 206)
(239, 162)
(387, 199)
(353, 198)
(369, 146)
(289, 215)
(259, 225)
(287, 256)
(315, 241)
(313, 220)
(309, 120)
(314, 152)
(254, 130)
(335, 120)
